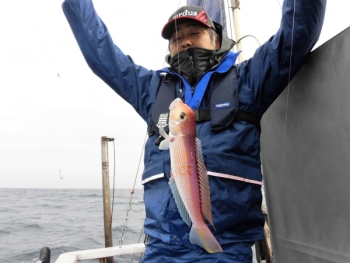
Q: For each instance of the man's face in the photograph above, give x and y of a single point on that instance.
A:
(191, 34)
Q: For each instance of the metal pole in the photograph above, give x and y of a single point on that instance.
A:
(235, 5)
(107, 214)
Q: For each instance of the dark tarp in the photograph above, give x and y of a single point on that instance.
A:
(306, 159)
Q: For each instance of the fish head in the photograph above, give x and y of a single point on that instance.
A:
(181, 119)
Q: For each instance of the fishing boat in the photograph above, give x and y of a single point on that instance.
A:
(305, 152)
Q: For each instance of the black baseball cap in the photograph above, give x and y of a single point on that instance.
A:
(187, 13)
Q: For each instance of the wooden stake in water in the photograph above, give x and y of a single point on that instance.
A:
(107, 214)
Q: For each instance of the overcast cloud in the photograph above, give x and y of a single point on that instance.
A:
(54, 110)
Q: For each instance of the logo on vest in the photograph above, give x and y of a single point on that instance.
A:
(223, 105)
(163, 118)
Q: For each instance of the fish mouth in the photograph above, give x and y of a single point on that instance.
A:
(174, 128)
(174, 123)
(175, 103)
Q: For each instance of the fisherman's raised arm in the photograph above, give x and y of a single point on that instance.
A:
(104, 58)
(276, 62)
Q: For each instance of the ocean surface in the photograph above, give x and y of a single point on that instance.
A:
(65, 220)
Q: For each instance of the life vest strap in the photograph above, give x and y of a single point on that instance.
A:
(204, 115)
(248, 117)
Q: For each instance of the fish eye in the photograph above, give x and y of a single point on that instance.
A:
(182, 115)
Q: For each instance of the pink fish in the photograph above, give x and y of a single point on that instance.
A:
(189, 181)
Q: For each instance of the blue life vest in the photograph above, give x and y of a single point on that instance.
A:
(219, 105)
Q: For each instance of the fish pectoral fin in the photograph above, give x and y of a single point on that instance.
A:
(179, 203)
(162, 131)
(201, 236)
(164, 144)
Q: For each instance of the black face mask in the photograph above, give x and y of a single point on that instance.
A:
(193, 63)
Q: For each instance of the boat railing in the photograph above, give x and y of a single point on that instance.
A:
(100, 253)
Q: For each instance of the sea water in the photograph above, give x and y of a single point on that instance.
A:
(66, 220)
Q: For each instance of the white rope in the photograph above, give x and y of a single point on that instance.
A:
(121, 240)
(288, 90)
(177, 45)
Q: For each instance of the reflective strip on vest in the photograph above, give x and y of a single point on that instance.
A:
(233, 177)
(152, 178)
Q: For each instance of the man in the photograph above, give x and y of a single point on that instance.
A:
(229, 101)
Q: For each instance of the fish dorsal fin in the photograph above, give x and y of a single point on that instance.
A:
(203, 183)
(179, 203)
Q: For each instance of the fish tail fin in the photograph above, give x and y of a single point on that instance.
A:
(203, 237)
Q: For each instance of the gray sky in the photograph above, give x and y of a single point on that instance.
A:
(50, 123)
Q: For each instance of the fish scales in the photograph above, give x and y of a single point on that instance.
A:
(185, 174)
(189, 181)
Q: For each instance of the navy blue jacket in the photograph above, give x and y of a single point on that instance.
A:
(232, 155)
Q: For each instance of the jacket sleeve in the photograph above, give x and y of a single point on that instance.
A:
(267, 73)
(105, 59)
